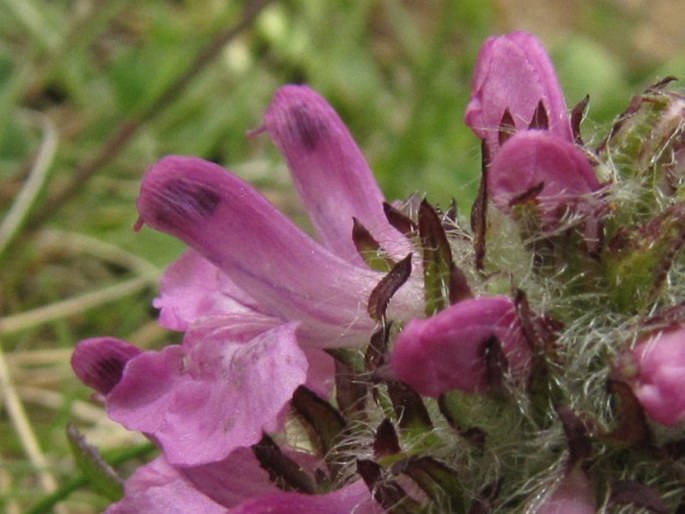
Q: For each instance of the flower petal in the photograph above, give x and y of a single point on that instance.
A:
(354, 498)
(230, 482)
(210, 396)
(447, 351)
(158, 487)
(321, 371)
(536, 157)
(192, 288)
(99, 362)
(260, 250)
(514, 73)
(330, 172)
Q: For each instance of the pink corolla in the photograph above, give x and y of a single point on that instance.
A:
(574, 494)
(330, 173)
(655, 369)
(200, 400)
(269, 264)
(553, 172)
(518, 109)
(450, 350)
(250, 259)
(236, 485)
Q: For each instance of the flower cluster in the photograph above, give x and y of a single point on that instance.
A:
(404, 360)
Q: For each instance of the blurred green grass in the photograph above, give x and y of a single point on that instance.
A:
(397, 72)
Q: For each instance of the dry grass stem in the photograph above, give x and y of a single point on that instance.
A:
(36, 179)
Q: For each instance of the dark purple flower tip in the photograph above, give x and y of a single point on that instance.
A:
(99, 362)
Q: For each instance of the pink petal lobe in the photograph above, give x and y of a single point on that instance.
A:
(203, 400)
(158, 487)
(321, 372)
(99, 362)
(353, 498)
(329, 171)
(514, 73)
(232, 481)
(192, 288)
(447, 351)
(259, 249)
(536, 157)
(660, 382)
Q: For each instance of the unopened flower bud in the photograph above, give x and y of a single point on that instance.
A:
(449, 350)
(513, 77)
(655, 369)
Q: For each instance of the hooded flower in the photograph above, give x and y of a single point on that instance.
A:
(517, 108)
(288, 275)
(256, 296)
(515, 75)
(330, 173)
(655, 368)
(449, 351)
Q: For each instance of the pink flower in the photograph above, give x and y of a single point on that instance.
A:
(655, 368)
(287, 276)
(517, 108)
(99, 362)
(557, 171)
(448, 350)
(284, 272)
(257, 297)
(574, 494)
(515, 74)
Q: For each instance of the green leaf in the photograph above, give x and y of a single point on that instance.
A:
(437, 259)
(638, 260)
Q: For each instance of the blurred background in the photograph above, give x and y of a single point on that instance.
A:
(94, 91)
